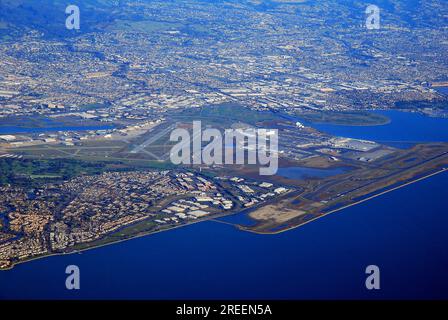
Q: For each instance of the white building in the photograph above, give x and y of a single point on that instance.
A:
(7, 138)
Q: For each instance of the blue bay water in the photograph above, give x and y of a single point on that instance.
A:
(404, 127)
(403, 232)
(322, 260)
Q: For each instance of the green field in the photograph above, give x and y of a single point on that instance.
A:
(352, 118)
(227, 114)
(14, 171)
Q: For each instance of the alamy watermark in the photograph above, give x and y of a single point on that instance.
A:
(373, 21)
(73, 21)
(249, 146)
(73, 281)
(373, 280)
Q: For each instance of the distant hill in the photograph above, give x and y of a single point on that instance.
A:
(48, 16)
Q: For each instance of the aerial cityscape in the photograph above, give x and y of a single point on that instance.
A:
(345, 102)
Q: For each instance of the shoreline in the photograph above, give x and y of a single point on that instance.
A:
(127, 239)
(238, 227)
(96, 247)
(345, 207)
(330, 123)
